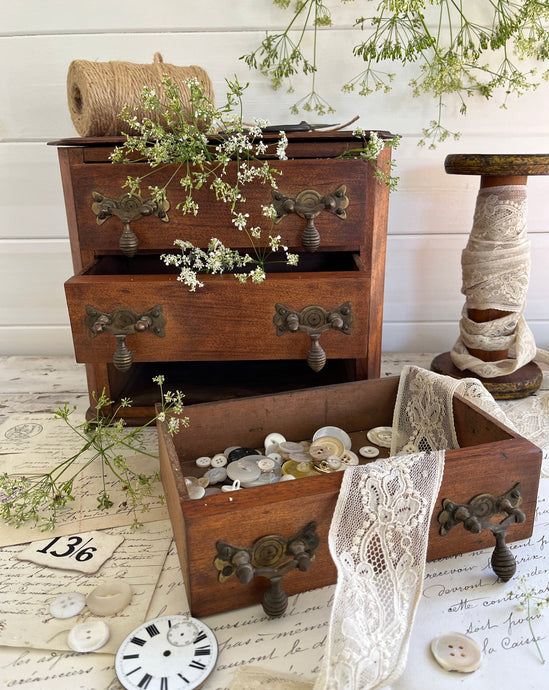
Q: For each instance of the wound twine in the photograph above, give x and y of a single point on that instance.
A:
(495, 275)
(97, 91)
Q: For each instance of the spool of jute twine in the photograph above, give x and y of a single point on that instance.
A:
(98, 91)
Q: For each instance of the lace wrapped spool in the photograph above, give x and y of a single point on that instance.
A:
(97, 91)
(495, 344)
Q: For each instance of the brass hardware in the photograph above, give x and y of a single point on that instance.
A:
(128, 208)
(267, 557)
(476, 516)
(121, 323)
(308, 204)
(313, 320)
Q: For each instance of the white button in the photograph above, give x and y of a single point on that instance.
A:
(203, 461)
(335, 432)
(381, 436)
(245, 470)
(290, 447)
(88, 636)
(67, 605)
(368, 451)
(219, 460)
(334, 462)
(456, 652)
(109, 597)
(216, 475)
(349, 458)
(266, 464)
(276, 457)
(273, 439)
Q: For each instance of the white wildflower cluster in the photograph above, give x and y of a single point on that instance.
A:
(211, 150)
(193, 261)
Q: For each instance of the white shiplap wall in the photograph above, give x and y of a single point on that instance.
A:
(430, 214)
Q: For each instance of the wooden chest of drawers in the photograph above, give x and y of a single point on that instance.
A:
(132, 319)
(491, 459)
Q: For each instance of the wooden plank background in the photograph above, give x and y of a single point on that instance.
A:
(430, 213)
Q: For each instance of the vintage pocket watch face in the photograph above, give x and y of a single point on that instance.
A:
(167, 653)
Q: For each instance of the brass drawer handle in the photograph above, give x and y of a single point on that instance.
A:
(128, 208)
(121, 323)
(476, 516)
(313, 320)
(308, 204)
(268, 557)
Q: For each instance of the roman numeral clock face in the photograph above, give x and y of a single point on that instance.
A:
(167, 653)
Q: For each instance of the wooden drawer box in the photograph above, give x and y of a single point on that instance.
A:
(491, 459)
(192, 335)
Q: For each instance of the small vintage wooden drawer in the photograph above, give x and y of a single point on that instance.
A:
(492, 460)
(291, 313)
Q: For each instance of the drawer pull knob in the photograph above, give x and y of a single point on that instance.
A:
(308, 204)
(477, 515)
(271, 556)
(313, 320)
(121, 323)
(128, 208)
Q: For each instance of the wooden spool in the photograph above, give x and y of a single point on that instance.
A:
(496, 170)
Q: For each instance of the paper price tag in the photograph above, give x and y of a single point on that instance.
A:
(85, 552)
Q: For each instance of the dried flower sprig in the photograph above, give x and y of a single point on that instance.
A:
(530, 601)
(38, 498)
(211, 148)
(458, 50)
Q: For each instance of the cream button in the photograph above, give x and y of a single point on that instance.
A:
(368, 451)
(219, 460)
(67, 605)
(334, 462)
(203, 461)
(326, 446)
(335, 432)
(349, 458)
(109, 597)
(456, 652)
(266, 464)
(381, 436)
(88, 636)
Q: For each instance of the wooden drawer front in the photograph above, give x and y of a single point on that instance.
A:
(214, 220)
(224, 320)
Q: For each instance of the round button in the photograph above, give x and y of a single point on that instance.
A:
(298, 469)
(290, 447)
(216, 475)
(326, 446)
(276, 457)
(240, 452)
(266, 464)
(381, 436)
(456, 652)
(349, 458)
(287, 477)
(67, 605)
(245, 470)
(335, 432)
(109, 597)
(219, 460)
(369, 451)
(88, 636)
(203, 461)
(273, 439)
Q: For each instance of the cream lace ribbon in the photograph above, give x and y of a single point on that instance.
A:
(378, 538)
(496, 272)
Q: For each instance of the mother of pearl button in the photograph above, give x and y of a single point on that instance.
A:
(368, 451)
(109, 598)
(381, 436)
(88, 636)
(335, 432)
(349, 458)
(245, 470)
(216, 475)
(456, 652)
(67, 605)
(273, 439)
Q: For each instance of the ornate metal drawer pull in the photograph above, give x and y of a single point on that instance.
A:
(268, 557)
(476, 516)
(308, 204)
(128, 208)
(313, 320)
(121, 323)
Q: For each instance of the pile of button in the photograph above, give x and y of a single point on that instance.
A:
(107, 599)
(239, 467)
